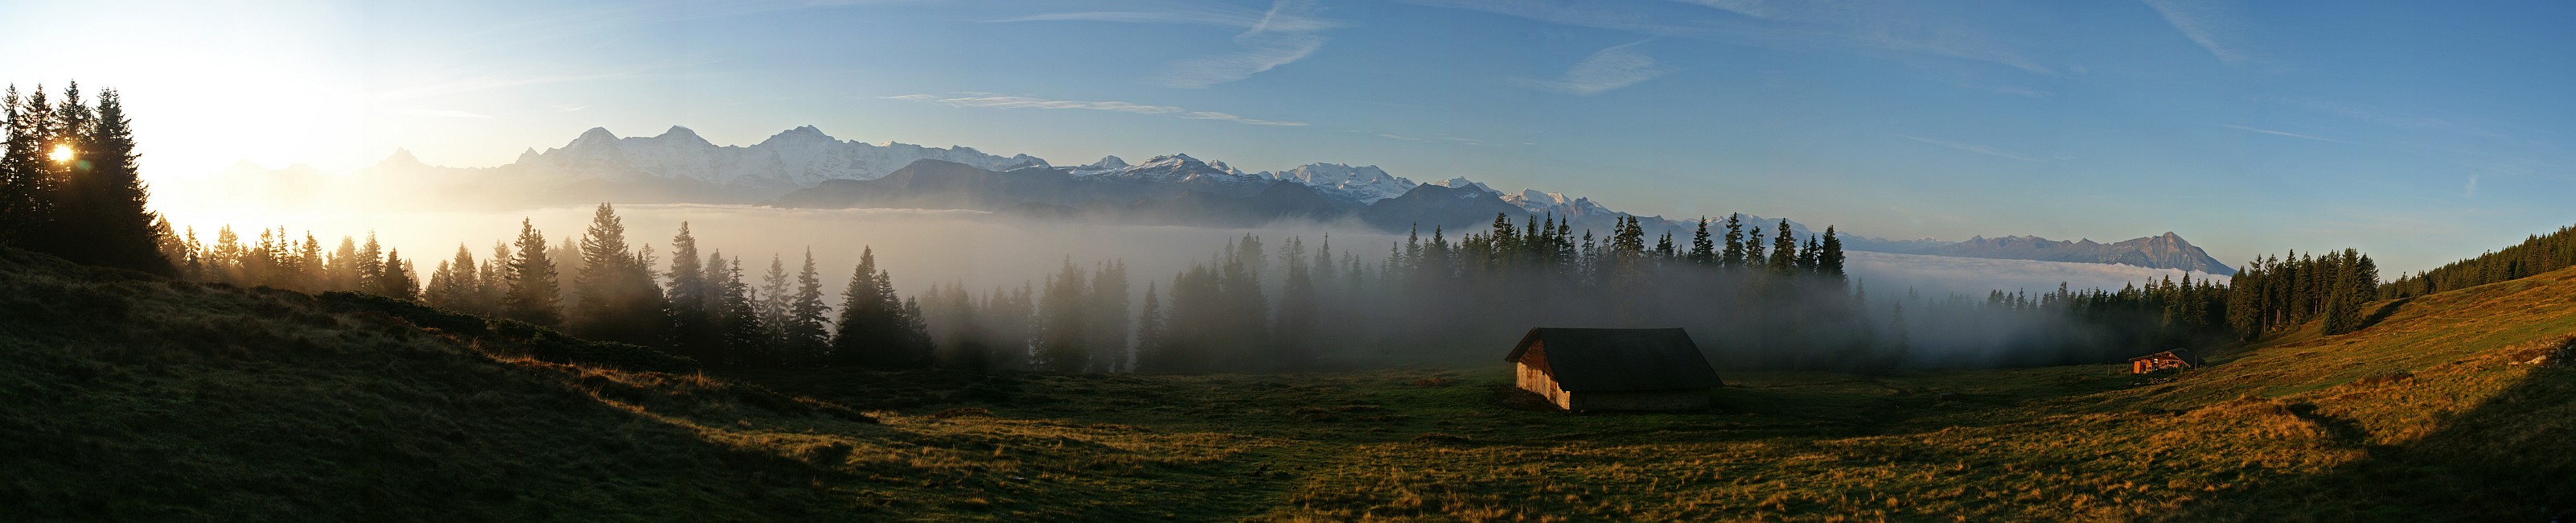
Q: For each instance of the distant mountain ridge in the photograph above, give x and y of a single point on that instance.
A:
(1180, 190)
(2166, 251)
(803, 167)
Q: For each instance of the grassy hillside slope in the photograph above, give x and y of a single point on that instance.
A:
(123, 397)
(130, 398)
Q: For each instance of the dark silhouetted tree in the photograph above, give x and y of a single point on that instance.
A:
(533, 290)
(614, 294)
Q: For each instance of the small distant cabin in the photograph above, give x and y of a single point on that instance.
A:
(1614, 369)
(2172, 359)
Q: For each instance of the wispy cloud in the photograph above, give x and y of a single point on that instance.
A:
(1974, 148)
(2473, 187)
(1265, 53)
(442, 113)
(1284, 34)
(1861, 25)
(2284, 133)
(1417, 139)
(2209, 23)
(1885, 24)
(1607, 69)
(1216, 15)
(1142, 17)
(2013, 90)
(993, 101)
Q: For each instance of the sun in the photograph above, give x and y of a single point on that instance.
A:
(62, 153)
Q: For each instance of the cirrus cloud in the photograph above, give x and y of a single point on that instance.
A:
(1605, 70)
(996, 101)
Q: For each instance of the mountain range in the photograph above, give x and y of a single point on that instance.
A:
(803, 167)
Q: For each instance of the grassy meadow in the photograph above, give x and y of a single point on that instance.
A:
(130, 398)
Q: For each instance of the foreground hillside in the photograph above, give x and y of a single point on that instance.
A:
(131, 398)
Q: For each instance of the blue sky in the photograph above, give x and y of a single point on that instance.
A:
(2420, 132)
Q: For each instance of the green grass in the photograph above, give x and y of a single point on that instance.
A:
(130, 398)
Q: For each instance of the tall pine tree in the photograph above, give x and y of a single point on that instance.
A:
(614, 295)
(533, 294)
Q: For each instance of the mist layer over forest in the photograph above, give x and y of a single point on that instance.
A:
(980, 257)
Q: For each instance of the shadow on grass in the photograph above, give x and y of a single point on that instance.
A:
(2509, 459)
(2383, 312)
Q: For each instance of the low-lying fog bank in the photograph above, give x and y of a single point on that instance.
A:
(1949, 322)
(982, 249)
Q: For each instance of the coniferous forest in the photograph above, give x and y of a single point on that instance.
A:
(70, 181)
(2537, 254)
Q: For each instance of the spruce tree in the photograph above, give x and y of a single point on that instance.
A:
(397, 282)
(1811, 256)
(1784, 250)
(55, 125)
(1703, 251)
(771, 300)
(463, 284)
(693, 327)
(21, 168)
(370, 266)
(808, 336)
(1298, 313)
(533, 292)
(107, 221)
(1754, 250)
(1064, 334)
(1149, 332)
(340, 273)
(878, 329)
(493, 285)
(614, 296)
(437, 293)
(1734, 254)
(1830, 262)
(745, 340)
(309, 258)
(1108, 313)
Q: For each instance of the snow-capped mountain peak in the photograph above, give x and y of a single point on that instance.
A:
(1167, 168)
(1463, 183)
(1539, 202)
(799, 157)
(803, 134)
(1362, 184)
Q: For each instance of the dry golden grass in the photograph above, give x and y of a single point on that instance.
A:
(143, 399)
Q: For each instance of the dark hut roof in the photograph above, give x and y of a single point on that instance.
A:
(1620, 359)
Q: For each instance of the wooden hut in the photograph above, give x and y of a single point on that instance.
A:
(2172, 359)
(1614, 369)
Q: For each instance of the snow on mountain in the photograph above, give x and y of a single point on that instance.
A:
(1106, 163)
(1362, 185)
(1170, 168)
(797, 157)
(1557, 204)
(1463, 183)
(680, 166)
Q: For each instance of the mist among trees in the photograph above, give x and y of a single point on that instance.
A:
(1754, 295)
